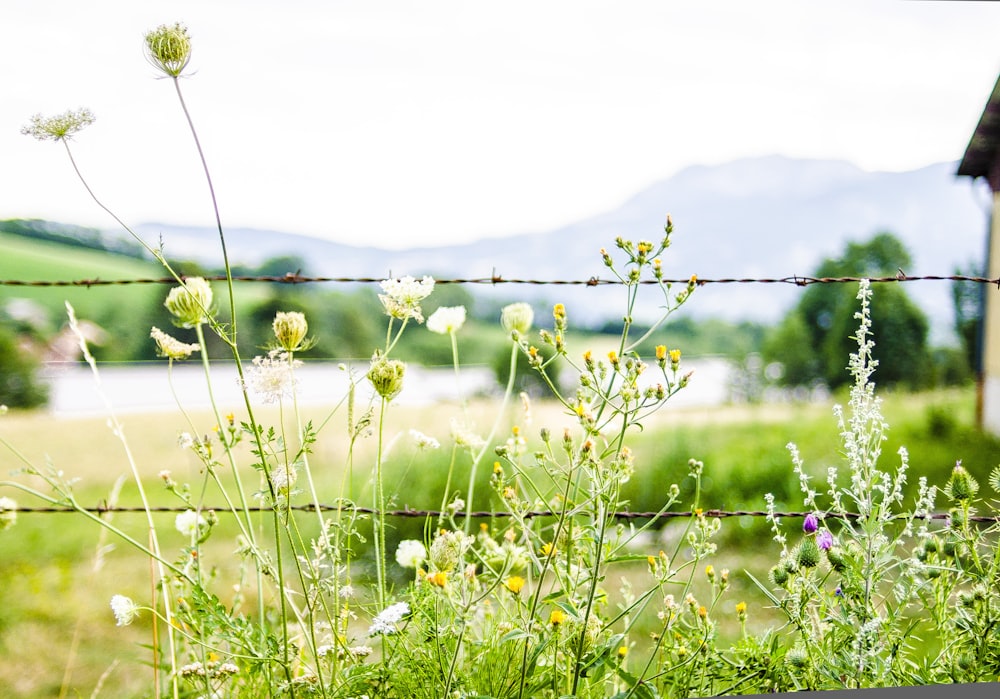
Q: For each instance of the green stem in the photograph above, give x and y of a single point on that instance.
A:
(514, 349)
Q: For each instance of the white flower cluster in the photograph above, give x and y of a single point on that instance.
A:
(273, 377)
(124, 609)
(385, 622)
(424, 441)
(189, 523)
(410, 553)
(446, 320)
(402, 297)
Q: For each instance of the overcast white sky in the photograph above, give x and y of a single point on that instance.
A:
(404, 123)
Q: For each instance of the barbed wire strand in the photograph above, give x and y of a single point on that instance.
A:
(497, 279)
(487, 514)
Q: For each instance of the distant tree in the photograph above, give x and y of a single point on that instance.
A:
(20, 386)
(813, 342)
(967, 299)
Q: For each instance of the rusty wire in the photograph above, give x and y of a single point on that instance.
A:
(496, 279)
(487, 514)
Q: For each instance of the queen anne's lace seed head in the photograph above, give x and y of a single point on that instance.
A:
(517, 317)
(190, 304)
(168, 48)
(290, 328)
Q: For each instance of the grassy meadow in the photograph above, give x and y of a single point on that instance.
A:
(58, 636)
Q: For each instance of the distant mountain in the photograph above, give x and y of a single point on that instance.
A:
(758, 217)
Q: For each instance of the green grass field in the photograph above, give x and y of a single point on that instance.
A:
(58, 637)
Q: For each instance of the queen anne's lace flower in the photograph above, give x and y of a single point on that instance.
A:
(171, 347)
(124, 609)
(424, 441)
(60, 127)
(189, 523)
(273, 377)
(410, 553)
(446, 320)
(385, 622)
(8, 513)
(402, 297)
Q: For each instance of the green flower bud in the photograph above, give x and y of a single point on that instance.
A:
(168, 49)
(386, 376)
(961, 486)
(837, 558)
(517, 317)
(447, 550)
(290, 329)
(779, 575)
(191, 304)
(808, 554)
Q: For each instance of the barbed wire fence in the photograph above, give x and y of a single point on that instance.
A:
(496, 279)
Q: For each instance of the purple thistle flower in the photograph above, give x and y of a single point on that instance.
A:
(824, 540)
(810, 524)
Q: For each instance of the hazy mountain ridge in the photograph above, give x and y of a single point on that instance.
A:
(771, 216)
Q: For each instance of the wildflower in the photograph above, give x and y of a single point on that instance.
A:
(438, 578)
(710, 573)
(171, 347)
(386, 376)
(423, 441)
(514, 583)
(824, 540)
(675, 359)
(446, 320)
(741, 611)
(190, 304)
(517, 317)
(273, 377)
(464, 437)
(557, 617)
(622, 651)
(124, 609)
(447, 549)
(385, 622)
(8, 513)
(961, 486)
(402, 297)
(290, 328)
(661, 353)
(185, 440)
(60, 127)
(283, 477)
(811, 524)
(189, 523)
(410, 553)
(168, 49)
(808, 554)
